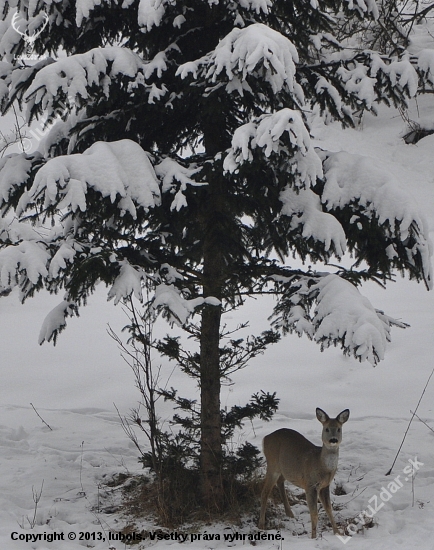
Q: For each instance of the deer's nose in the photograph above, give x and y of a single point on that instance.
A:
(333, 440)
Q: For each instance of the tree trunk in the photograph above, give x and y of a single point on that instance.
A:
(213, 213)
(211, 442)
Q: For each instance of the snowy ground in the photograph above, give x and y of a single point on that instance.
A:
(74, 385)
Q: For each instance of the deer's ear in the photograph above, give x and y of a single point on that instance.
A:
(343, 416)
(321, 415)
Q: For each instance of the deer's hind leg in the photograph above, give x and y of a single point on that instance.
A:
(284, 496)
(269, 482)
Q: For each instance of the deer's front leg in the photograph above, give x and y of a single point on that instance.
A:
(324, 496)
(312, 503)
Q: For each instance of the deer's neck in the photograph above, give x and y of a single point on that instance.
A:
(330, 458)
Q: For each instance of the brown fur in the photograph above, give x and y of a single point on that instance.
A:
(292, 457)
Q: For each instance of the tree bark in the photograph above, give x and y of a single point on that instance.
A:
(210, 383)
(213, 213)
(211, 441)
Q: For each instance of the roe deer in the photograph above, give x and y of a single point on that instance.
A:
(292, 457)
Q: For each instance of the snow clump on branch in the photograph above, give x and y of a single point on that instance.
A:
(116, 170)
(256, 51)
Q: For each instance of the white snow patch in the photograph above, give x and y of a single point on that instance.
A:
(55, 320)
(304, 208)
(352, 178)
(150, 14)
(178, 308)
(30, 257)
(83, 9)
(128, 282)
(268, 133)
(256, 51)
(342, 313)
(73, 75)
(118, 170)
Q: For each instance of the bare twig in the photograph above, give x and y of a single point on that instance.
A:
(412, 489)
(18, 135)
(423, 421)
(411, 420)
(129, 432)
(356, 496)
(137, 354)
(36, 498)
(83, 493)
(48, 426)
(15, 136)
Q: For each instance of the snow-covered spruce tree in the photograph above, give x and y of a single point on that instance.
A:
(185, 155)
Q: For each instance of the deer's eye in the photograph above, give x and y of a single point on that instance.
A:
(327, 430)
(339, 430)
